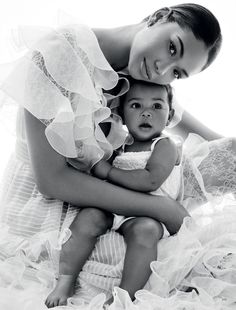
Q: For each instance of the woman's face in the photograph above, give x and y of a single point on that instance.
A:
(165, 52)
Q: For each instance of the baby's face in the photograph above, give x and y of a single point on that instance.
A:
(146, 111)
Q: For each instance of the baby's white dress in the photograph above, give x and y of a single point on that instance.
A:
(65, 93)
(172, 187)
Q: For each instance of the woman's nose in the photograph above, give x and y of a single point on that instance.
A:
(162, 67)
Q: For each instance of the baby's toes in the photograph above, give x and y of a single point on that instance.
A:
(62, 301)
(52, 302)
(48, 303)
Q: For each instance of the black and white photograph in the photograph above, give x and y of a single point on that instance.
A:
(118, 155)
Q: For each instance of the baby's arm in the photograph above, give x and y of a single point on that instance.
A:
(55, 179)
(158, 168)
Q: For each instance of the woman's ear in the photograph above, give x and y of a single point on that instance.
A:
(171, 115)
(159, 16)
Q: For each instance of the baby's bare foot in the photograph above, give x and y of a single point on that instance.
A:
(63, 290)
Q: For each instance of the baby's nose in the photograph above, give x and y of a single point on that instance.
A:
(146, 114)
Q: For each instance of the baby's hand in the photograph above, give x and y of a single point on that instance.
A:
(101, 169)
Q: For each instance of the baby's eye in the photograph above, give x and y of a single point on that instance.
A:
(157, 106)
(135, 105)
(177, 74)
(172, 49)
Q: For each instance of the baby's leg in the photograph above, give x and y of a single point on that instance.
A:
(88, 225)
(141, 235)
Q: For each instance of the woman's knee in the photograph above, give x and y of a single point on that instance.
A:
(144, 231)
(93, 222)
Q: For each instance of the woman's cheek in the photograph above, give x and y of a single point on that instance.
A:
(167, 78)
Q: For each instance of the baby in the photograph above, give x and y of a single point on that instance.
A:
(150, 164)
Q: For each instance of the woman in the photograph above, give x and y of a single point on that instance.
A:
(59, 84)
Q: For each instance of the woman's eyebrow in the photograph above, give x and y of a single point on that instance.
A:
(181, 47)
(185, 73)
(182, 54)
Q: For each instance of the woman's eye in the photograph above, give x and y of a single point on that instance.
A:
(157, 106)
(172, 49)
(135, 105)
(177, 74)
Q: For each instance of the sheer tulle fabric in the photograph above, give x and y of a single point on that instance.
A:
(209, 170)
(60, 81)
(33, 227)
(202, 255)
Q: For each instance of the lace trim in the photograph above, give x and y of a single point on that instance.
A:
(192, 189)
(38, 59)
(218, 172)
(71, 38)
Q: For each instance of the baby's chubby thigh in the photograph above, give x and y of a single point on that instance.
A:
(91, 222)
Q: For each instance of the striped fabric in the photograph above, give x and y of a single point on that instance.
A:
(35, 224)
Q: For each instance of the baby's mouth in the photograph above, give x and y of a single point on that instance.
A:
(145, 125)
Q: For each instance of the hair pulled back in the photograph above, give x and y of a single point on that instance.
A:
(198, 19)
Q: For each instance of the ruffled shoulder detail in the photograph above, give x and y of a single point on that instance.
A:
(60, 81)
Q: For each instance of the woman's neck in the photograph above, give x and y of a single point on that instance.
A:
(116, 43)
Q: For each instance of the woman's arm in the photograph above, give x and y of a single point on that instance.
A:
(190, 124)
(56, 179)
(158, 168)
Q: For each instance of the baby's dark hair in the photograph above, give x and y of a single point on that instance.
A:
(167, 87)
(196, 18)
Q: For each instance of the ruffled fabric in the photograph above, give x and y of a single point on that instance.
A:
(33, 227)
(195, 269)
(209, 171)
(60, 81)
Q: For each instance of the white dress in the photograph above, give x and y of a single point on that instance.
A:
(60, 81)
(65, 93)
(172, 187)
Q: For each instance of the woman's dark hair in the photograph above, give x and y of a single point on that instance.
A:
(196, 18)
(132, 82)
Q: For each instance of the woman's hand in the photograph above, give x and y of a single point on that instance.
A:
(101, 169)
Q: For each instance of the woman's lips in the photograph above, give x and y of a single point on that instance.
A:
(145, 70)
